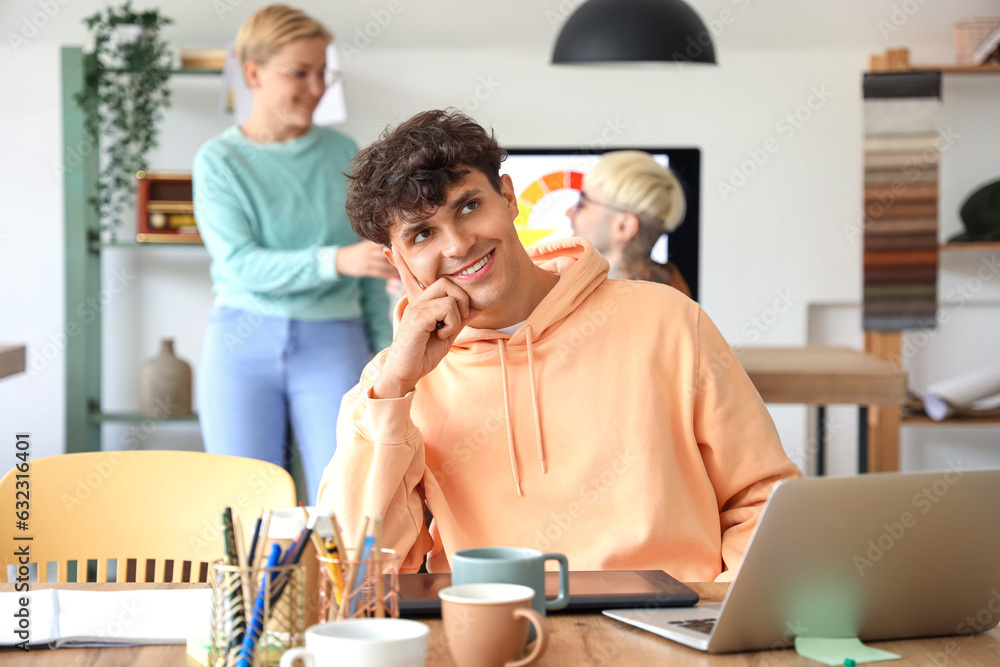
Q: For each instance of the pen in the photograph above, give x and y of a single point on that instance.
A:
(253, 541)
(237, 617)
(257, 617)
(264, 534)
(292, 558)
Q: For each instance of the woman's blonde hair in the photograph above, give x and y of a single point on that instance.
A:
(271, 27)
(634, 181)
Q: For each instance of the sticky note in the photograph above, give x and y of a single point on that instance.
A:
(836, 651)
(198, 649)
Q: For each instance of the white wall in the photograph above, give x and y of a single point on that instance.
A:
(779, 235)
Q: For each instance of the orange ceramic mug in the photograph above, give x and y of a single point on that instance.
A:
(486, 625)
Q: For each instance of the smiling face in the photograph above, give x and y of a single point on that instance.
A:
(289, 86)
(469, 240)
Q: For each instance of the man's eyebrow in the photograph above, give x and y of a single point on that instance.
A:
(460, 201)
(411, 227)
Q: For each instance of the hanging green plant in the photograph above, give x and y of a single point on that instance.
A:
(124, 95)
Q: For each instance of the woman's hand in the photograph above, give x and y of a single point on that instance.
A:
(364, 260)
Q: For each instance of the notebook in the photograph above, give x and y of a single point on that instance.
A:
(104, 618)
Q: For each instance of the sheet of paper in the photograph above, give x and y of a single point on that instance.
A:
(136, 616)
(835, 651)
(41, 615)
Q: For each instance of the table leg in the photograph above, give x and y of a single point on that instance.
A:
(863, 427)
(820, 440)
(883, 437)
(884, 421)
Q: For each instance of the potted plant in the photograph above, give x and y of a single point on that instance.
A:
(123, 99)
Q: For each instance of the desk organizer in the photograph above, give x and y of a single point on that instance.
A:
(353, 588)
(250, 629)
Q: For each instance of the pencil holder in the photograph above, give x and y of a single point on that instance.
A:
(257, 613)
(352, 588)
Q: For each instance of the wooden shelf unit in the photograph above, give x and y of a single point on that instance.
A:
(135, 417)
(991, 68)
(979, 246)
(887, 344)
(83, 250)
(924, 420)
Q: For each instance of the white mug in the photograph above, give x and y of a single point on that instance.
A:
(363, 642)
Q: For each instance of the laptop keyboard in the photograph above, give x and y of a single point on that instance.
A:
(703, 625)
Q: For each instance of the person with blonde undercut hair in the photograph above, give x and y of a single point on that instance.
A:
(300, 301)
(628, 201)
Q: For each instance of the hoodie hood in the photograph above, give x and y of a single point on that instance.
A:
(581, 270)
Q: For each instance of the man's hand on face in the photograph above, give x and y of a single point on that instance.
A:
(430, 324)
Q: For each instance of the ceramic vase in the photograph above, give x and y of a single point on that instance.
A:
(166, 384)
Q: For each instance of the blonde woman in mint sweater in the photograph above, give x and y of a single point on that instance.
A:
(300, 302)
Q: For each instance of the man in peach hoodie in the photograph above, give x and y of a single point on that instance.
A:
(526, 399)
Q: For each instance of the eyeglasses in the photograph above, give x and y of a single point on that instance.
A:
(329, 76)
(584, 199)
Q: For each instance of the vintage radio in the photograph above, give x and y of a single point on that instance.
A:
(165, 207)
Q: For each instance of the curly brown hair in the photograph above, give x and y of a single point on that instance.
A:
(406, 173)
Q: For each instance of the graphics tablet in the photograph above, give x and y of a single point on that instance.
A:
(625, 589)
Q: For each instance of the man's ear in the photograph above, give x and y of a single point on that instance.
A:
(507, 190)
(387, 251)
(624, 227)
(251, 73)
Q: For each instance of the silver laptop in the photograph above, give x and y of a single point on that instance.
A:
(887, 556)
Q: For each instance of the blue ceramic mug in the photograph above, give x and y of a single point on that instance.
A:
(512, 565)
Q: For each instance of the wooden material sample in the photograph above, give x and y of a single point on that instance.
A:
(901, 216)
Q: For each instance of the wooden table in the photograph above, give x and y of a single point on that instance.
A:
(821, 376)
(12, 359)
(576, 640)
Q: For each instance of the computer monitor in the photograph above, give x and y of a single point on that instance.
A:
(548, 180)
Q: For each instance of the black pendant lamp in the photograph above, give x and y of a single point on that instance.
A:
(610, 31)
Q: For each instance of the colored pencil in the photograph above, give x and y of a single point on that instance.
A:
(241, 560)
(352, 570)
(377, 566)
(236, 605)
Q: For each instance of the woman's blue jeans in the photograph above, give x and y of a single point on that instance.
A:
(260, 375)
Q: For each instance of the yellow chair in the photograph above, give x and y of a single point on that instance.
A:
(149, 510)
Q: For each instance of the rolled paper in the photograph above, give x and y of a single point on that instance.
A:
(978, 390)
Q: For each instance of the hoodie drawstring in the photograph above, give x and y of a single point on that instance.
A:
(510, 427)
(534, 404)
